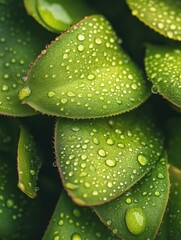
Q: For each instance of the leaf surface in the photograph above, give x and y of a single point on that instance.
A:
(100, 159)
(84, 73)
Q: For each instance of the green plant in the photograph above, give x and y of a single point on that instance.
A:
(85, 106)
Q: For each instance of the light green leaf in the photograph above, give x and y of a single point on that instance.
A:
(163, 69)
(70, 221)
(100, 159)
(56, 15)
(20, 41)
(29, 163)
(164, 16)
(84, 73)
(173, 134)
(138, 213)
(174, 206)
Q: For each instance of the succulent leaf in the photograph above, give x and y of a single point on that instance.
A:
(164, 16)
(84, 73)
(100, 159)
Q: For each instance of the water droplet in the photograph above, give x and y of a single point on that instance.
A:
(91, 76)
(142, 160)
(76, 236)
(9, 203)
(134, 86)
(110, 163)
(71, 186)
(157, 194)
(110, 141)
(81, 37)
(43, 52)
(98, 41)
(154, 89)
(32, 172)
(64, 100)
(160, 175)
(76, 212)
(135, 220)
(102, 152)
(61, 223)
(24, 92)
(81, 48)
(51, 94)
(128, 200)
(5, 88)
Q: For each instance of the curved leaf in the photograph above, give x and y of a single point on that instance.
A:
(164, 16)
(18, 47)
(56, 15)
(174, 205)
(84, 73)
(100, 159)
(70, 221)
(163, 69)
(138, 213)
(29, 163)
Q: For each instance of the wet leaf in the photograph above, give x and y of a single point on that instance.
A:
(138, 213)
(19, 45)
(100, 159)
(84, 73)
(70, 221)
(163, 16)
(163, 69)
(173, 133)
(56, 15)
(174, 205)
(29, 163)
(17, 212)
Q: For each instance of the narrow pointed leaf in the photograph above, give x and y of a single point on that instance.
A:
(29, 163)
(56, 15)
(173, 133)
(174, 205)
(19, 45)
(138, 213)
(164, 16)
(17, 211)
(84, 73)
(163, 69)
(100, 159)
(70, 221)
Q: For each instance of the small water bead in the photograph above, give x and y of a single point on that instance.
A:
(142, 160)
(51, 94)
(160, 176)
(157, 194)
(61, 223)
(91, 76)
(134, 86)
(5, 88)
(154, 89)
(135, 220)
(10, 203)
(98, 41)
(24, 92)
(32, 172)
(110, 163)
(71, 186)
(81, 48)
(43, 52)
(128, 200)
(64, 100)
(81, 37)
(76, 236)
(76, 212)
(102, 152)
(110, 141)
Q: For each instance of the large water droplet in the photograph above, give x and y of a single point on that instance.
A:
(102, 152)
(110, 163)
(142, 160)
(71, 186)
(76, 236)
(135, 220)
(24, 92)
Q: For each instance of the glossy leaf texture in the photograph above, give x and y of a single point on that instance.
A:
(162, 65)
(19, 45)
(138, 213)
(29, 163)
(70, 221)
(174, 206)
(56, 15)
(17, 212)
(100, 159)
(164, 16)
(84, 73)
(173, 140)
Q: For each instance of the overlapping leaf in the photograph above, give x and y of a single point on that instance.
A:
(29, 163)
(163, 69)
(138, 213)
(19, 45)
(164, 16)
(84, 73)
(70, 221)
(100, 159)
(56, 15)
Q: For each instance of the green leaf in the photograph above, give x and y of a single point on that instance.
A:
(70, 221)
(56, 15)
(173, 133)
(163, 69)
(174, 205)
(84, 73)
(29, 163)
(100, 159)
(19, 45)
(138, 213)
(17, 212)
(164, 16)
